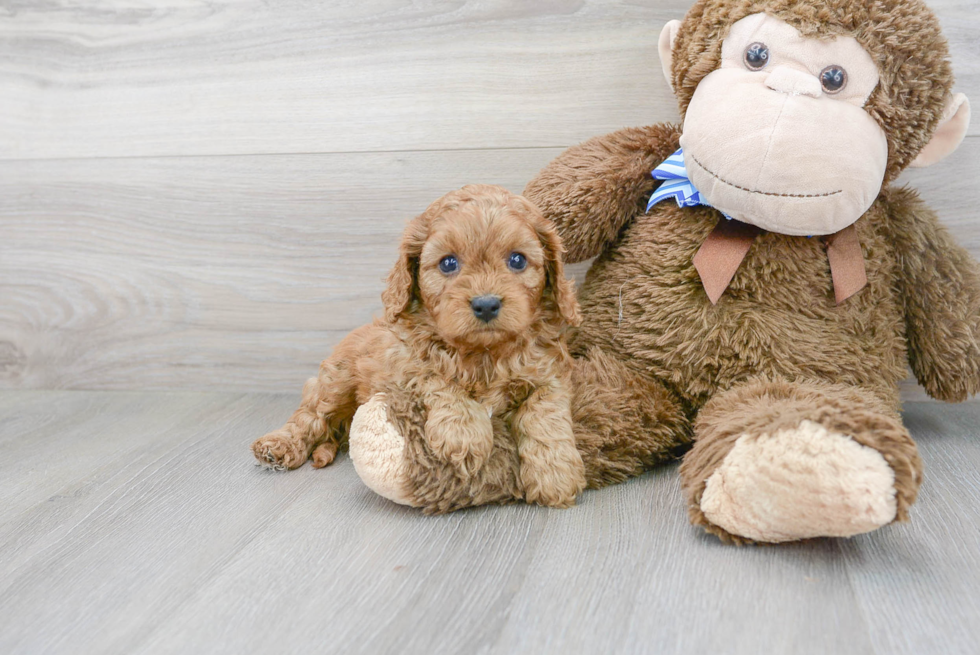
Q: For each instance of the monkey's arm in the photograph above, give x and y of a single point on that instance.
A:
(591, 190)
(940, 284)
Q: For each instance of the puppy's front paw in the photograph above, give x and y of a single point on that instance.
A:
(552, 473)
(279, 450)
(460, 433)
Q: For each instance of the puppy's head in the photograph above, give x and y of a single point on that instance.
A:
(486, 266)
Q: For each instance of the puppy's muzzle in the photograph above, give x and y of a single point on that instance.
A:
(486, 308)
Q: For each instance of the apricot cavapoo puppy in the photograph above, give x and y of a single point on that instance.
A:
(475, 310)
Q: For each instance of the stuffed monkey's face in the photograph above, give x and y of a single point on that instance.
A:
(778, 137)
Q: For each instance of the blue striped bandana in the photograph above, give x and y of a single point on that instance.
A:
(676, 184)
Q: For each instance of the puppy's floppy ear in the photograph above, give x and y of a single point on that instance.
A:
(558, 290)
(402, 286)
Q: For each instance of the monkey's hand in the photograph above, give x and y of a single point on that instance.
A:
(592, 190)
(941, 287)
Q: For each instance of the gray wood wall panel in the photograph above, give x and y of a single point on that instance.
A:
(219, 77)
(148, 240)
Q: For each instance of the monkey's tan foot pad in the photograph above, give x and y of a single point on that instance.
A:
(378, 452)
(800, 483)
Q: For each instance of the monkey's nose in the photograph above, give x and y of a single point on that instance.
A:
(485, 308)
(793, 82)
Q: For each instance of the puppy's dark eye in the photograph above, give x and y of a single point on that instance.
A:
(517, 261)
(756, 56)
(449, 264)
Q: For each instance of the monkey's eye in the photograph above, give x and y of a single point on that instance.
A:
(517, 261)
(833, 78)
(449, 264)
(756, 56)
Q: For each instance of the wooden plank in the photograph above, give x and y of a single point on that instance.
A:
(192, 548)
(219, 77)
(224, 77)
(139, 538)
(606, 577)
(73, 450)
(240, 273)
(640, 532)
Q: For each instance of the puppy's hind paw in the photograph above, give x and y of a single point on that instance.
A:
(324, 454)
(278, 451)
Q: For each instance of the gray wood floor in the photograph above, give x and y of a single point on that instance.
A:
(136, 522)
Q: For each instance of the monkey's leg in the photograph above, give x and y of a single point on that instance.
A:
(315, 427)
(624, 422)
(394, 459)
(778, 461)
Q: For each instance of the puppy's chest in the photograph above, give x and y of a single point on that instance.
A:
(501, 384)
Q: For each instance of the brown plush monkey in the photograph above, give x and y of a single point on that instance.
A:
(783, 333)
(771, 317)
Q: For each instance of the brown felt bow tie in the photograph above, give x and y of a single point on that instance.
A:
(723, 251)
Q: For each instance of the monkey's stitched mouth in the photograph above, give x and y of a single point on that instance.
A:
(763, 193)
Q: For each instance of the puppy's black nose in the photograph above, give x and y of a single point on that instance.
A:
(485, 308)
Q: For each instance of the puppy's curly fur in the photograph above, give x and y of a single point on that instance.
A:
(468, 372)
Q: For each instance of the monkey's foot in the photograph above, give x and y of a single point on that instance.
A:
(378, 452)
(798, 483)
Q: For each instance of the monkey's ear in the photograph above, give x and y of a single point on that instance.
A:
(952, 128)
(666, 47)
